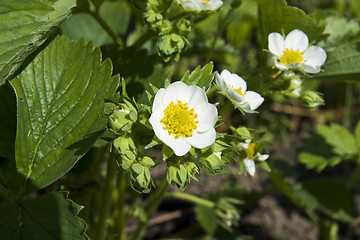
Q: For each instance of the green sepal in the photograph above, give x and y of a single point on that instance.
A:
(201, 77)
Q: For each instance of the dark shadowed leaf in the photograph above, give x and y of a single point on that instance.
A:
(52, 216)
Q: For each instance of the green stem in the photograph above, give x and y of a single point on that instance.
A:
(106, 27)
(190, 198)
(354, 176)
(152, 206)
(221, 25)
(105, 204)
(121, 220)
(143, 38)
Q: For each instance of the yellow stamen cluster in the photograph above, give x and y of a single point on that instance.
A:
(238, 90)
(179, 120)
(290, 56)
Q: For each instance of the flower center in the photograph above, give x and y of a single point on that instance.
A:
(290, 56)
(238, 90)
(179, 120)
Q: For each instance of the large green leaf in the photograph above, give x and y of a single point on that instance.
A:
(342, 64)
(60, 107)
(277, 16)
(51, 216)
(25, 26)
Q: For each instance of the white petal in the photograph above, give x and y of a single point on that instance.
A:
(198, 100)
(254, 99)
(276, 44)
(220, 82)
(155, 119)
(314, 56)
(202, 140)
(311, 69)
(250, 166)
(281, 66)
(296, 39)
(245, 106)
(158, 104)
(234, 80)
(235, 95)
(178, 145)
(186, 94)
(198, 6)
(262, 157)
(207, 118)
(173, 91)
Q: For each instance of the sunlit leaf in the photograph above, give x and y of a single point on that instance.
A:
(342, 141)
(201, 77)
(25, 26)
(51, 216)
(60, 107)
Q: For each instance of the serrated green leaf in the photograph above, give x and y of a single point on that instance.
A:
(317, 162)
(51, 216)
(201, 77)
(343, 63)
(342, 141)
(60, 99)
(316, 154)
(7, 121)
(277, 16)
(25, 26)
(82, 25)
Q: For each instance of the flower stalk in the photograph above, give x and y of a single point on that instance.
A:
(110, 183)
(190, 198)
(154, 202)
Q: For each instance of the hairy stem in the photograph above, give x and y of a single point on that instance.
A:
(107, 28)
(153, 204)
(105, 204)
(121, 219)
(190, 198)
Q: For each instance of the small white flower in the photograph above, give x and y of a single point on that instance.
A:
(182, 117)
(235, 88)
(249, 161)
(294, 51)
(200, 5)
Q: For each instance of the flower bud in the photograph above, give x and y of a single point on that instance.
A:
(123, 117)
(312, 99)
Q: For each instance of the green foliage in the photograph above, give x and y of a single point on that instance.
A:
(83, 25)
(51, 216)
(342, 64)
(180, 171)
(201, 77)
(60, 109)
(316, 154)
(341, 140)
(25, 26)
(222, 213)
(277, 16)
